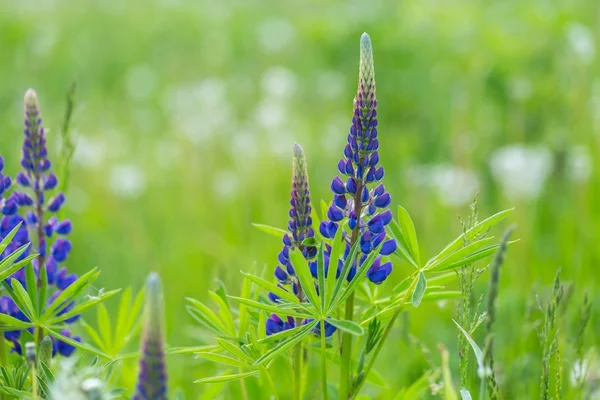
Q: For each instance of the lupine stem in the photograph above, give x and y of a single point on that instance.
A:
(298, 371)
(388, 328)
(346, 373)
(323, 361)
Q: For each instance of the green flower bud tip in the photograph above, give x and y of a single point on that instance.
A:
(46, 350)
(366, 77)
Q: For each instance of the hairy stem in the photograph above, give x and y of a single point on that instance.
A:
(297, 392)
(385, 334)
(323, 361)
(346, 372)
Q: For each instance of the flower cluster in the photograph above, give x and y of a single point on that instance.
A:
(30, 208)
(299, 225)
(10, 219)
(152, 379)
(299, 230)
(364, 208)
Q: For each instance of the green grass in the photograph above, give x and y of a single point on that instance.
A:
(206, 99)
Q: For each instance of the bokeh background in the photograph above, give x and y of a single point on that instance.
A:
(186, 113)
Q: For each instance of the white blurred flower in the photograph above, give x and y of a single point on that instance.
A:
(579, 164)
(521, 171)
(275, 34)
(278, 82)
(89, 151)
(578, 372)
(225, 183)
(127, 180)
(455, 186)
(199, 111)
(581, 39)
(141, 81)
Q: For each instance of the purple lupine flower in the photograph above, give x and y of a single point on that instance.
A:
(152, 378)
(36, 182)
(299, 225)
(355, 198)
(299, 230)
(275, 324)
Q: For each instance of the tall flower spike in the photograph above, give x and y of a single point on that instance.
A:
(30, 208)
(299, 225)
(299, 229)
(364, 207)
(152, 378)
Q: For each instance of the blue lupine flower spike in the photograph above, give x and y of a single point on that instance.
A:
(152, 378)
(299, 225)
(29, 207)
(364, 207)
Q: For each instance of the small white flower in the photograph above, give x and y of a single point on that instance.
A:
(521, 171)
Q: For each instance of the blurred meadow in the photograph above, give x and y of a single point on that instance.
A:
(186, 114)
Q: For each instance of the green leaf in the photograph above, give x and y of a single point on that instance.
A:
(408, 233)
(350, 327)
(24, 299)
(78, 309)
(224, 313)
(476, 256)
(358, 278)
(226, 378)
(69, 294)
(104, 325)
(7, 268)
(402, 249)
(244, 316)
(336, 250)
(205, 316)
(321, 276)
(270, 308)
(31, 284)
(442, 263)
(8, 238)
(478, 353)
(12, 323)
(81, 346)
(419, 291)
(310, 241)
(337, 291)
(94, 336)
(306, 280)
(219, 358)
(286, 344)
(271, 287)
(271, 230)
(233, 348)
(471, 234)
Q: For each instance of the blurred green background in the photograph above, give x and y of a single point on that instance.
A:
(187, 112)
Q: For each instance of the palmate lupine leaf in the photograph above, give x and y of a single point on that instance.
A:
(271, 230)
(152, 378)
(419, 291)
(409, 234)
(476, 231)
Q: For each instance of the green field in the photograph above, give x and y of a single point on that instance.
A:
(186, 114)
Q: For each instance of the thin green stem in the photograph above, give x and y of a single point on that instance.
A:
(34, 382)
(323, 361)
(388, 328)
(346, 373)
(482, 388)
(243, 386)
(3, 356)
(271, 384)
(344, 390)
(298, 372)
